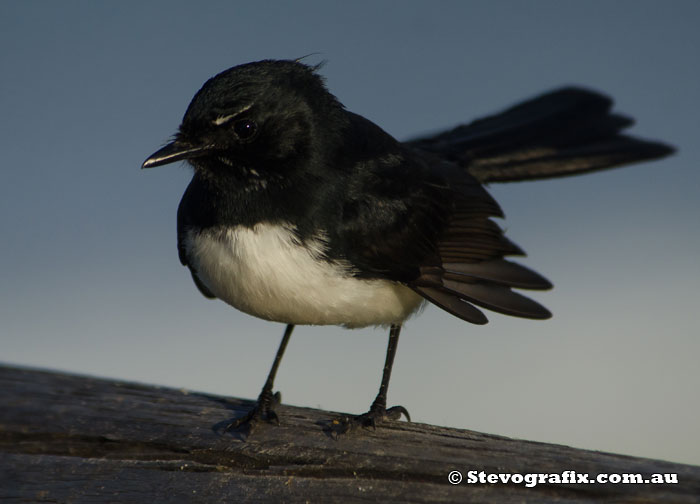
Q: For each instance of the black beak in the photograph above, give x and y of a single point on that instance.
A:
(175, 151)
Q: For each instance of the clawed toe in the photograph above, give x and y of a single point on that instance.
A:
(264, 410)
(375, 416)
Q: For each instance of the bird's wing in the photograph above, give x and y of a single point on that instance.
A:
(471, 250)
(564, 132)
(182, 225)
(427, 223)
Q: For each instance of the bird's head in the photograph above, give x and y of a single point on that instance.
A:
(254, 121)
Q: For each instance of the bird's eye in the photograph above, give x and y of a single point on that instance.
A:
(245, 129)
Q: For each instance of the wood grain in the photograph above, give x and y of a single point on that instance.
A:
(67, 438)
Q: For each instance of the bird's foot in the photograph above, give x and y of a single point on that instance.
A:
(376, 415)
(264, 410)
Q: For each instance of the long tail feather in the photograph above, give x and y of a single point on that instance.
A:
(565, 132)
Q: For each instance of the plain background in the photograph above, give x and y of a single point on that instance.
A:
(91, 283)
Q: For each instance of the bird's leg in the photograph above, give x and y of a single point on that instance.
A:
(267, 401)
(378, 412)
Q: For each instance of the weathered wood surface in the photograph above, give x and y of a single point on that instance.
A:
(66, 438)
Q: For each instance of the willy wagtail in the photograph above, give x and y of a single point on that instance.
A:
(302, 212)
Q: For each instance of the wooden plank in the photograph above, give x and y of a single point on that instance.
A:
(67, 438)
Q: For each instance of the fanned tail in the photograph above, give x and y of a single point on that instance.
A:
(569, 131)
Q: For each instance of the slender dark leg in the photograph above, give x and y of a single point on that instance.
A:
(267, 401)
(378, 412)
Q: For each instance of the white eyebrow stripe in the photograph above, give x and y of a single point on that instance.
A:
(224, 119)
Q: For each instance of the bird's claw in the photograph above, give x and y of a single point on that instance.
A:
(264, 410)
(375, 416)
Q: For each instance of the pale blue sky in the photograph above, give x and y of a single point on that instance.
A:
(91, 283)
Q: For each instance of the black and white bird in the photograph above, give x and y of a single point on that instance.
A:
(302, 212)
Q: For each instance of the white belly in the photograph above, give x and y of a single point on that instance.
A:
(266, 272)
